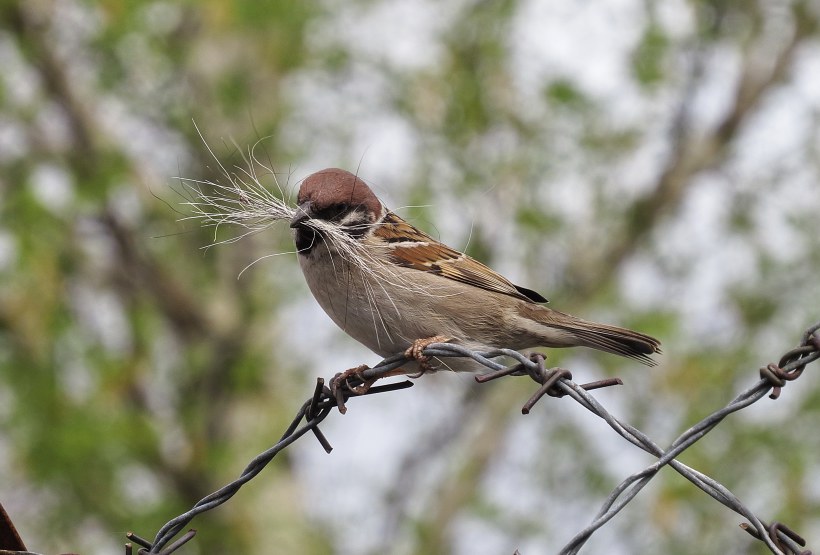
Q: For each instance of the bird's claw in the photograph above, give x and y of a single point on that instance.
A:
(341, 379)
(416, 352)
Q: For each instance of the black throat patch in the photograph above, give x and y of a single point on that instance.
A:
(306, 239)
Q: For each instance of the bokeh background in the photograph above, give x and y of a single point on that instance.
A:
(653, 164)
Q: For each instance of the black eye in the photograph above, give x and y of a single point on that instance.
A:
(335, 211)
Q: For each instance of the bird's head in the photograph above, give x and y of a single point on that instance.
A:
(336, 197)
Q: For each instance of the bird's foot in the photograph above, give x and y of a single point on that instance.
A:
(342, 378)
(416, 352)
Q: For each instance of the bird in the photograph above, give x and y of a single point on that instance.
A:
(394, 288)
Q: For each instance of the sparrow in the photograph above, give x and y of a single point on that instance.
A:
(394, 288)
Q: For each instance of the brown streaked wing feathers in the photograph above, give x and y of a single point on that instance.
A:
(415, 249)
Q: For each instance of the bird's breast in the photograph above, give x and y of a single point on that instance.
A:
(355, 300)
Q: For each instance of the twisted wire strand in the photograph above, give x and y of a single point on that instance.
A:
(556, 382)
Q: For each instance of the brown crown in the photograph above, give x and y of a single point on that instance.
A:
(333, 186)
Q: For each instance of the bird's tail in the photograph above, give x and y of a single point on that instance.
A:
(612, 339)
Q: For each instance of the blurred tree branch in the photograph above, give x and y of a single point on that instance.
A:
(694, 154)
(94, 159)
(29, 22)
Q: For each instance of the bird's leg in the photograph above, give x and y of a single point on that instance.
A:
(416, 352)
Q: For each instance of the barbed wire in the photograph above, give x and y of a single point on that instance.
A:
(555, 382)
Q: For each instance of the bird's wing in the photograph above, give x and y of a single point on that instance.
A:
(412, 248)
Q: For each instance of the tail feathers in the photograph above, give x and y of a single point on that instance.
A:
(612, 339)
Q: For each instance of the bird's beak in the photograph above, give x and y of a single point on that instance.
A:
(303, 213)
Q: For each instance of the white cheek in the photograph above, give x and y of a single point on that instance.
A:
(353, 218)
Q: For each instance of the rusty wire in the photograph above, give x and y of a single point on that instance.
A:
(556, 382)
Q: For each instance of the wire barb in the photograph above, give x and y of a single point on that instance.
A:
(555, 382)
(791, 364)
(552, 377)
(313, 410)
(188, 536)
(138, 540)
(786, 539)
